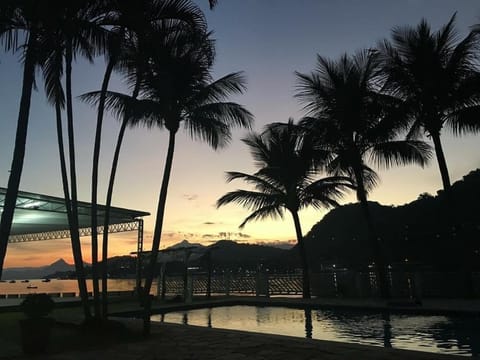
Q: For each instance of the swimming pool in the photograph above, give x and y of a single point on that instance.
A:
(439, 334)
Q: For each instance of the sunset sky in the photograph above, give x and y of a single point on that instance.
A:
(268, 40)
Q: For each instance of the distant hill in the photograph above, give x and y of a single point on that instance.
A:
(419, 231)
(225, 254)
(231, 255)
(36, 272)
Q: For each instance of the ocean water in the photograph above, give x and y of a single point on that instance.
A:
(62, 286)
(437, 334)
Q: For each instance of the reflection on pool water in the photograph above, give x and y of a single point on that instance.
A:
(440, 334)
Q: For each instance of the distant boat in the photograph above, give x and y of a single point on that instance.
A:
(45, 280)
(12, 281)
(25, 281)
(31, 286)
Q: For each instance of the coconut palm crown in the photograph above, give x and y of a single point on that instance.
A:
(438, 79)
(287, 179)
(357, 125)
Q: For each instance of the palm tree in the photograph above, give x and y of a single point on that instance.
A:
(288, 165)
(75, 29)
(20, 19)
(178, 90)
(182, 93)
(136, 27)
(356, 124)
(438, 79)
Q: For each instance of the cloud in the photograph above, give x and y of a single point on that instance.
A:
(32, 258)
(190, 197)
(209, 236)
(244, 236)
(209, 223)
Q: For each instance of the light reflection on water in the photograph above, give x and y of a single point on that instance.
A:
(440, 334)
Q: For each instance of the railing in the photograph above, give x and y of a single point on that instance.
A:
(340, 283)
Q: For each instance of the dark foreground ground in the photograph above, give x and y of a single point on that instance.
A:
(182, 342)
(175, 342)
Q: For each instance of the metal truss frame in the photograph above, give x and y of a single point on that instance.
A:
(65, 234)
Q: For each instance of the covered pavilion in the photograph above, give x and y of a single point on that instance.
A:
(41, 217)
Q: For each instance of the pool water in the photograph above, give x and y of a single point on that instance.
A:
(439, 334)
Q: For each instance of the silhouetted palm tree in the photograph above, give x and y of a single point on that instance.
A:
(356, 124)
(438, 79)
(74, 29)
(287, 179)
(183, 93)
(20, 21)
(178, 90)
(136, 27)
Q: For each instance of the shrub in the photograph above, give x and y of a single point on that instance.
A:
(37, 305)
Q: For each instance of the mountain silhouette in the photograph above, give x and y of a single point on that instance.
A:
(59, 265)
(418, 232)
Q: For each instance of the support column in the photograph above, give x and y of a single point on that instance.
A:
(138, 284)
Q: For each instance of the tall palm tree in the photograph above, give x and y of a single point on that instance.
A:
(178, 90)
(438, 79)
(135, 28)
(131, 23)
(182, 93)
(356, 124)
(20, 21)
(288, 164)
(75, 29)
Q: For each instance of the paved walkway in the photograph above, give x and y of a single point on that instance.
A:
(181, 342)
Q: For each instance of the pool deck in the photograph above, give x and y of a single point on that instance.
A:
(187, 342)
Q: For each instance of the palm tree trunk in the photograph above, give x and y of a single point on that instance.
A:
(442, 164)
(19, 150)
(63, 163)
(74, 231)
(373, 237)
(158, 225)
(303, 257)
(108, 205)
(452, 213)
(96, 156)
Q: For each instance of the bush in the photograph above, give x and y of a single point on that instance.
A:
(37, 305)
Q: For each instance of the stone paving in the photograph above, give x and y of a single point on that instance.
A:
(181, 342)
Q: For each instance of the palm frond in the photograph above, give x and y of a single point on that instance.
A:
(137, 111)
(262, 184)
(251, 200)
(221, 89)
(212, 3)
(272, 211)
(209, 129)
(229, 113)
(326, 191)
(401, 152)
(52, 73)
(464, 121)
